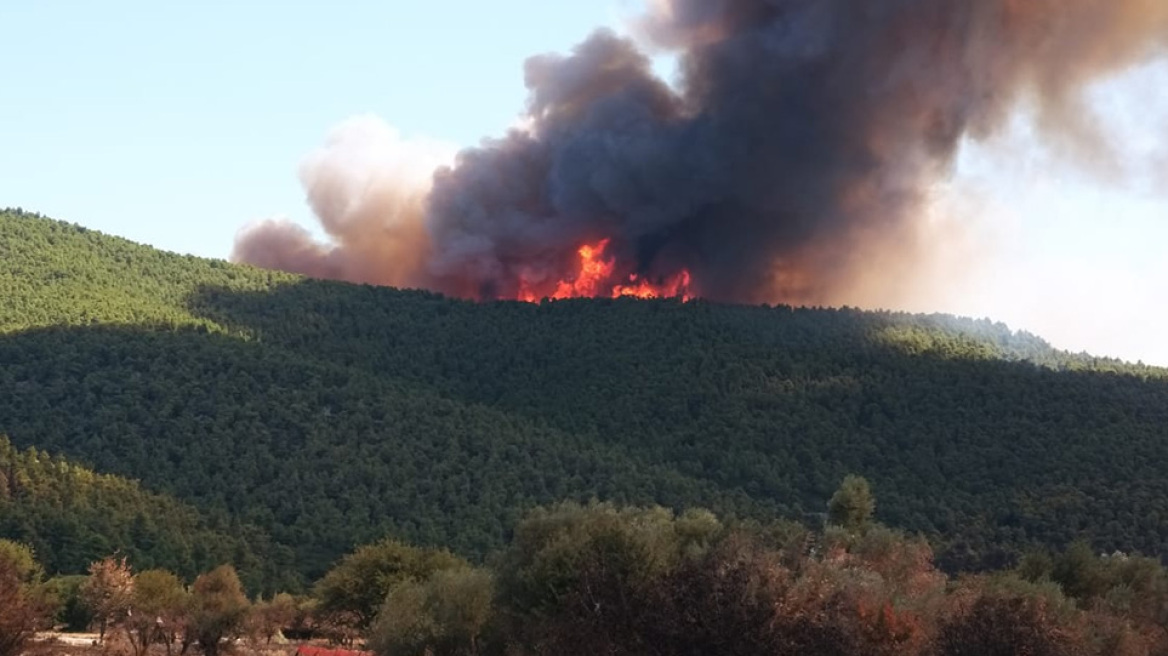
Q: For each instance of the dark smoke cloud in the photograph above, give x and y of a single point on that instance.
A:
(792, 162)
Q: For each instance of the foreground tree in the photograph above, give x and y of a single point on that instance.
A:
(446, 615)
(355, 588)
(584, 579)
(218, 609)
(158, 610)
(24, 608)
(108, 592)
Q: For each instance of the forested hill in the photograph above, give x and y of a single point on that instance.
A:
(67, 514)
(331, 414)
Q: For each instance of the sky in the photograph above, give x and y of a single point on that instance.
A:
(175, 124)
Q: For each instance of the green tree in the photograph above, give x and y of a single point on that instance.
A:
(852, 504)
(218, 609)
(356, 587)
(22, 559)
(72, 612)
(445, 615)
(1080, 572)
(581, 578)
(159, 605)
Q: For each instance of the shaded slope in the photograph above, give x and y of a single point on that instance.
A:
(323, 456)
(986, 437)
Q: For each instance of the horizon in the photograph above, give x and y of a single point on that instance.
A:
(135, 128)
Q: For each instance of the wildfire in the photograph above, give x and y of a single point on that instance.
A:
(593, 280)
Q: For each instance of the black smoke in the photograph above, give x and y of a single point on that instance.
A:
(794, 152)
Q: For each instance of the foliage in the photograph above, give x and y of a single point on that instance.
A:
(304, 417)
(1128, 585)
(65, 591)
(996, 619)
(21, 558)
(356, 586)
(24, 608)
(108, 592)
(218, 609)
(852, 504)
(565, 586)
(445, 615)
(160, 605)
(599, 579)
(269, 617)
(590, 565)
(73, 516)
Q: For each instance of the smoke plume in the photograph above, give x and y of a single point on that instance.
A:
(368, 188)
(792, 161)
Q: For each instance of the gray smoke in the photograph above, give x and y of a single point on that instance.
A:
(796, 150)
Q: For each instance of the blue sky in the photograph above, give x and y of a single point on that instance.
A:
(174, 124)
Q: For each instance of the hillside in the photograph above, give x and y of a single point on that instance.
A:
(68, 514)
(330, 414)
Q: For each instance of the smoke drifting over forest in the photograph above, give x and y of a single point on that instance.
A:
(792, 161)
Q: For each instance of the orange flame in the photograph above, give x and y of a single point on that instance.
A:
(592, 280)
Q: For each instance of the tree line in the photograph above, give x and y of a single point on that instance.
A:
(586, 579)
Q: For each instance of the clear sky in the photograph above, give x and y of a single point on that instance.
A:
(174, 124)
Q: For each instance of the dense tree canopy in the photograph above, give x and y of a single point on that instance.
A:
(71, 516)
(304, 417)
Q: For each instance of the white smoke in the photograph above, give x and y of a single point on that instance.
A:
(367, 186)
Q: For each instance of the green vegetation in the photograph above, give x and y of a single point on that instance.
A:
(70, 515)
(852, 504)
(599, 579)
(646, 581)
(303, 417)
(355, 588)
(218, 609)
